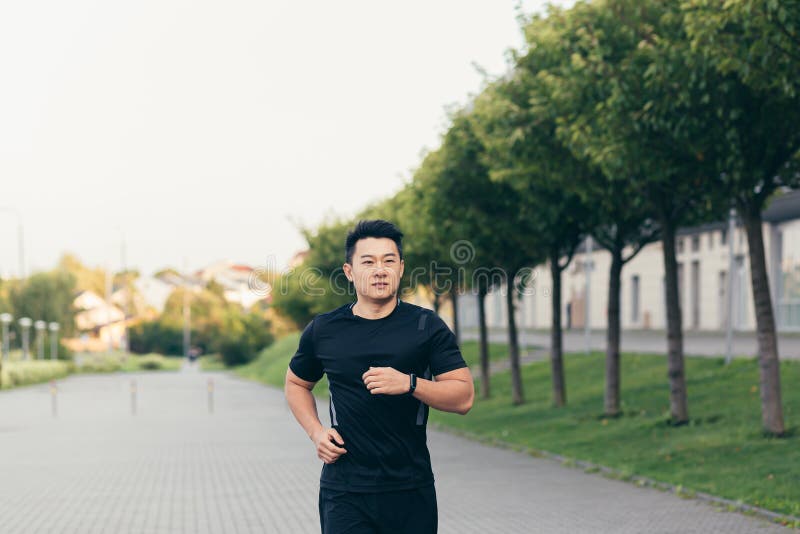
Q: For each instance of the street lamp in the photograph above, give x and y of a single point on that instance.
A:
(53, 341)
(6, 319)
(25, 323)
(40, 327)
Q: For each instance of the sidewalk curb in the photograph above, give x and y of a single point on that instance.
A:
(789, 521)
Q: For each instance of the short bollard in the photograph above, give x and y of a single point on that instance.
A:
(54, 397)
(133, 397)
(210, 395)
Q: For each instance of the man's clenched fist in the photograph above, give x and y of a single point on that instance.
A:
(326, 440)
(386, 381)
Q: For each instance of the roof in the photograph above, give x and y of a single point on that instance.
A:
(783, 208)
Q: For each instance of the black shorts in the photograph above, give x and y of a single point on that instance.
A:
(411, 511)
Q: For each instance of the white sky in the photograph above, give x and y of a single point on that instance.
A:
(201, 130)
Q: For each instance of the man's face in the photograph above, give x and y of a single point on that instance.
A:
(376, 268)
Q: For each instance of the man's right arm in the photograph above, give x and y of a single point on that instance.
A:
(304, 407)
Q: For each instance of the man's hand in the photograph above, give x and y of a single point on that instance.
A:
(386, 381)
(325, 439)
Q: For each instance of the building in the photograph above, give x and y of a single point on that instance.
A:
(703, 280)
(238, 281)
(97, 322)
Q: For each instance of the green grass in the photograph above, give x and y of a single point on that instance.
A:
(270, 365)
(23, 373)
(151, 362)
(721, 451)
(497, 351)
(104, 362)
(17, 373)
(212, 362)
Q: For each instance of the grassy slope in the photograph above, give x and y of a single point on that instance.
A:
(722, 450)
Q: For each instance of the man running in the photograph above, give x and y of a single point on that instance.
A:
(379, 354)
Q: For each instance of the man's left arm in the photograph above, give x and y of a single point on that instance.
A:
(452, 391)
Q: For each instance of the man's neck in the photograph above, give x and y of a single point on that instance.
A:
(374, 309)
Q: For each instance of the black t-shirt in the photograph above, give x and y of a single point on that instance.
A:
(384, 435)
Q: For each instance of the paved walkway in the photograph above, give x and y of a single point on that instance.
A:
(247, 468)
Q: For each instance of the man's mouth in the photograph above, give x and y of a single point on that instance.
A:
(380, 284)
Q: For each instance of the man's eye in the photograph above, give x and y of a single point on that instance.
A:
(367, 261)
(389, 261)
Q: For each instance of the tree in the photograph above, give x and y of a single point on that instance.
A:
(457, 208)
(622, 232)
(646, 124)
(755, 123)
(86, 278)
(523, 151)
(46, 296)
(759, 40)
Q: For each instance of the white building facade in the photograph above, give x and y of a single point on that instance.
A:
(703, 270)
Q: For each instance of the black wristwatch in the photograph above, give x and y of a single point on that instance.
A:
(413, 385)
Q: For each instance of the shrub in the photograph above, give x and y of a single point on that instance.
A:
(98, 363)
(152, 362)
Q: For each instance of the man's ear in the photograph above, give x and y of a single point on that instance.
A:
(348, 271)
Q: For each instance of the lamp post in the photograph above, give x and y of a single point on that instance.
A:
(6, 319)
(126, 290)
(108, 309)
(587, 325)
(187, 312)
(729, 303)
(53, 327)
(25, 323)
(40, 327)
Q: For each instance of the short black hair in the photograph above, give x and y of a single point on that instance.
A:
(372, 228)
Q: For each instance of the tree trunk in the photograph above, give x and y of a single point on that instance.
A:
(556, 352)
(679, 408)
(456, 326)
(517, 396)
(768, 362)
(612, 397)
(483, 344)
(436, 302)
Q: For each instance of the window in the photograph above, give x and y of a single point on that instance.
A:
(723, 237)
(680, 245)
(695, 243)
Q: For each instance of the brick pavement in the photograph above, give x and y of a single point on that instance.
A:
(247, 468)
